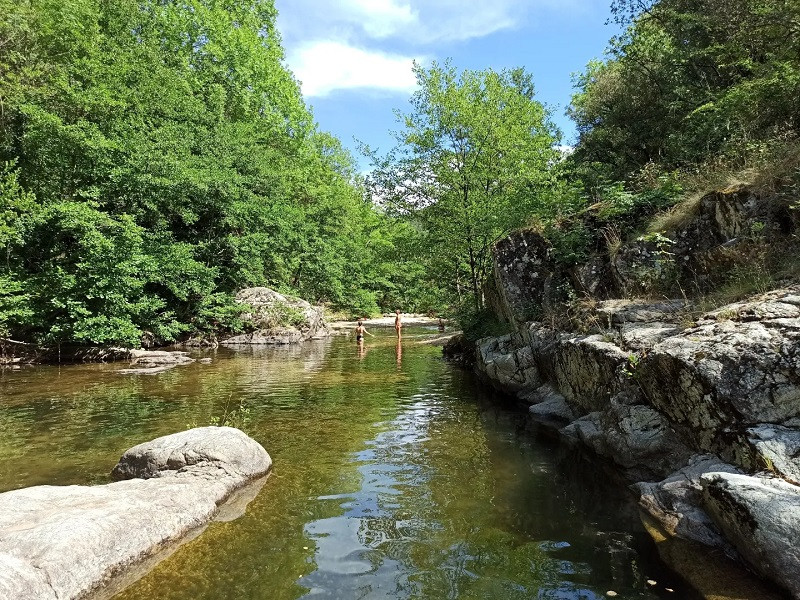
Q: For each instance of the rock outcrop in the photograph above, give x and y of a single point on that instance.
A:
(738, 368)
(695, 250)
(523, 273)
(67, 542)
(274, 318)
(701, 411)
(152, 362)
(673, 406)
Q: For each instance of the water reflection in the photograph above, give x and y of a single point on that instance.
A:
(395, 477)
(430, 520)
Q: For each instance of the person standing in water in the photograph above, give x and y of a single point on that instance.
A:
(398, 324)
(361, 331)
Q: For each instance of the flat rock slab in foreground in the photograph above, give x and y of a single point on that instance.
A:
(64, 542)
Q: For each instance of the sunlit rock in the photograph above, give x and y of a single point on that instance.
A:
(64, 542)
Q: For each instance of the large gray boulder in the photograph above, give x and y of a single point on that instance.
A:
(522, 276)
(276, 318)
(761, 517)
(67, 542)
(585, 369)
(676, 502)
(509, 367)
(636, 437)
(225, 452)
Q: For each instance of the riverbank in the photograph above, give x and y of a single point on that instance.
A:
(408, 320)
(267, 318)
(702, 419)
(694, 400)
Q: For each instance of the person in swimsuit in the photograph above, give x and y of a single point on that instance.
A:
(398, 324)
(360, 332)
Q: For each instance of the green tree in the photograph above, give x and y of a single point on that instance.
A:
(171, 161)
(16, 208)
(472, 159)
(690, 80)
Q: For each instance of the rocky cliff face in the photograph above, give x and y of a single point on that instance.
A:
(675, 409)
(700, 410)
(697, 250)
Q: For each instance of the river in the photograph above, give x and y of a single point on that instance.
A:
(396, 475)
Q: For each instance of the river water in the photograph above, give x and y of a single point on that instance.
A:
(395, 476)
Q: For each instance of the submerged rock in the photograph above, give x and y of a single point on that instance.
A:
(64, 542)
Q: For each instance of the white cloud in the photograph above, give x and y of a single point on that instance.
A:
(458, 20)
(325, 66)
(380, 18)
(411, 21)
(345, 44)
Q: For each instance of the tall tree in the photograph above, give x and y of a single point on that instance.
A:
(471, 160)
(170, 160)
(689, 80)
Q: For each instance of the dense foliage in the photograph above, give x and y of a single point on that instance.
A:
(690, 88)
(690, 80)
(158, 157)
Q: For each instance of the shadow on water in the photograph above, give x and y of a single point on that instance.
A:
(396, 476)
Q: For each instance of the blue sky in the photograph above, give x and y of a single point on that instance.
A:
(353, 57)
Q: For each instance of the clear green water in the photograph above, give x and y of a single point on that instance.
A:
(394, 477)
